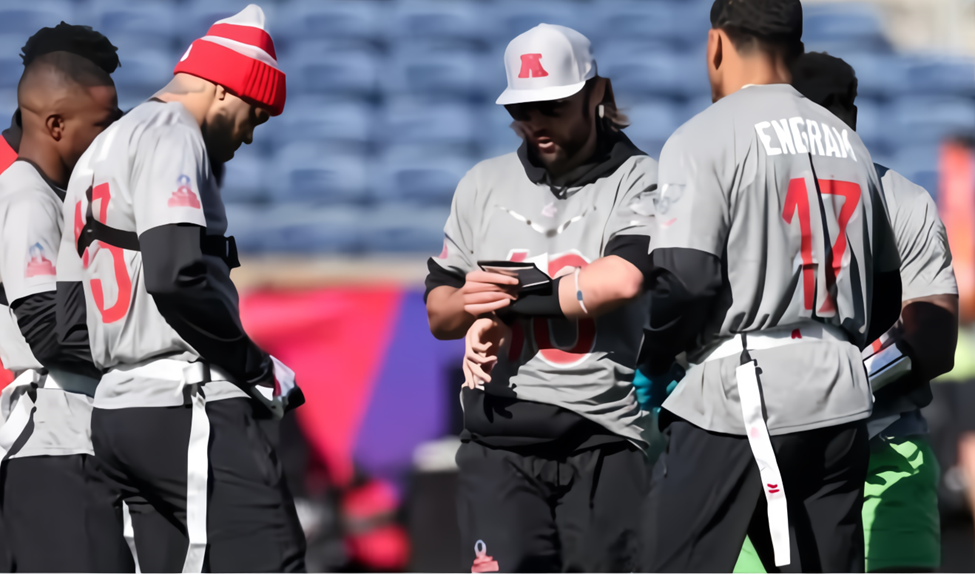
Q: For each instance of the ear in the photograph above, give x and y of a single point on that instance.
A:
(55, 127)
(716, 39)
(597, 95)
(221, 93)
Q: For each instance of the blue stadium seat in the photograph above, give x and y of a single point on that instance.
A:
(149, 24)
(913, 159)
(309, 229)
(402, 229)
(314, 172)
(929, 119)
(24, 17)
(692, 22)
(310, 119)
(245, 177)
(412, 121)
(652, 123)
(878, 75)
(636, 19)
(856, 25)
(420, 175)
(11, 68)
(517, 16)
(246, 223)
(434, 68)
(141, 75)
(637, 75)
(317, 70)
(869, 125)
(8, 103)
(941, 75)
(439, 19)
(314, 19)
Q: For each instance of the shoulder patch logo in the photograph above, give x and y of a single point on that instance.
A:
(37, 263)
(531, 66)
(184, 196)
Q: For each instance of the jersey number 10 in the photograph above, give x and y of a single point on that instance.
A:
(797, 202)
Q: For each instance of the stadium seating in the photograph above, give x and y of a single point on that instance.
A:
(318, 173)
(18, 17)
(400, 229)
(419, 175)
(392, 101)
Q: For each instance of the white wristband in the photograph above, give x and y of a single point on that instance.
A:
(579, 292)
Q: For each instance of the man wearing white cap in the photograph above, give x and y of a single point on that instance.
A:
(552, 464)
(175, 417)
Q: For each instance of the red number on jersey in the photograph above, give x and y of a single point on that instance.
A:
(797, 201)
(551, 352)
(123, 283)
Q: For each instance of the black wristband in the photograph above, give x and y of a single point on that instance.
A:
(540, 303)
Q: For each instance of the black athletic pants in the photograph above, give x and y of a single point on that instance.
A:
(579, 513)
(706, 494)
(252, 525)
(59, 516)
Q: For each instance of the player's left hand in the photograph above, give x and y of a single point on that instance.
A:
(484, 341)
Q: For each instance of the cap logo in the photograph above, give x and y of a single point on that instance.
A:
(531, 66)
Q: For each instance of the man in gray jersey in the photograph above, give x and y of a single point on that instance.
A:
(900, 513)
(57, 504)
(551, 460)
(176, 413)
(774, 264)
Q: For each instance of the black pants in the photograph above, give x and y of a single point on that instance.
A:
(706, 495)
(252, 525)
(580, 513)
(59, 516)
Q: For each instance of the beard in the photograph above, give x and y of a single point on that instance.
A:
(220, 137)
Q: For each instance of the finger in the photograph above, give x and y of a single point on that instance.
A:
(488, 277)
(479, 359)
(468, 376)
(486, 308)
(479, 373)
(486, 297)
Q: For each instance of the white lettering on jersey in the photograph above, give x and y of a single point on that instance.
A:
(845, 146)
(801, 136)
(766, 139)
(785, 138)
(815, 137)
(832, 149)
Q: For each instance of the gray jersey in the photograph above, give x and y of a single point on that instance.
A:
(584, 366)
(146, 170)
(754, 180)
(30, 231)
(922, 243)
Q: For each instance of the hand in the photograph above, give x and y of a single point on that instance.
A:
(485, 292)
(486, 338)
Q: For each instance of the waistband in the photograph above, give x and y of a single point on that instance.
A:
(187, 372)
(796, 333)
(57, 379)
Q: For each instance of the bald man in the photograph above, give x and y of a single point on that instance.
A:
(57, 506)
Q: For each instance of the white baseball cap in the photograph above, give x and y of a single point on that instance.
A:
(546, 63)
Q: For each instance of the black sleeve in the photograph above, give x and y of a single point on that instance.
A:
(37, 318)
(196, 297)
(885, 307)
(632, 248)
(437, 276)
(683, 285)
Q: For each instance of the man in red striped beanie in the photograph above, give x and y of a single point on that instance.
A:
(176, 413)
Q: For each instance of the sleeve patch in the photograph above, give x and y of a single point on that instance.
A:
(39, 262)
(184, 195)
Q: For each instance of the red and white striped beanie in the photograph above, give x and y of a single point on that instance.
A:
(238, 54)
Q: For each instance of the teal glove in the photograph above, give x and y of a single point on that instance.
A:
(652, 391)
